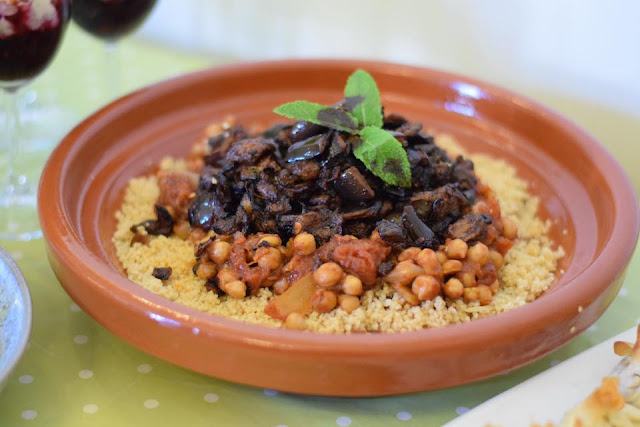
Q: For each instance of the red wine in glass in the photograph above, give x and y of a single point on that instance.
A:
(30, 32)
(111, 19)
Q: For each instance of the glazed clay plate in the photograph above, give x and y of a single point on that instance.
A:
(582, 190)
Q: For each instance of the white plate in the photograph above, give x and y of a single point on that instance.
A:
(550, 394)
(15, 315)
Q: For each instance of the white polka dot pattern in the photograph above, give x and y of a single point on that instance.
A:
(461, 410)
(29, 414)
(151, 403)
(211, 398)
(403, 416)
(144, 368)
(91, 408)
(25, 379)
(80, 339)
(343, 421)
(85, 374)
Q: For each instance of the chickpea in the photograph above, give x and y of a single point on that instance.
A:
(456, 248)
(226, 276)
(219, 252)
(289, 244)
(197, 234)
(481, 207)
(236, 289)
(352, 285)
(426, 287)
(494, 207)
(408, 296)
(468, 279)
(348, 302)
(442, 257)
(403, 273)
(206, 270)
(492, 233)
(297, 228)
(484, 294)
(269, 258)
(324, 301)
(272, 239)
(428, 260)
(296, 321)
(510, 230)
(453, 288)
(182, 229)
(496, 259)
(328, 274)
(304, 244)
(451, 266)
(470, 295)
(479, 253)
(284, 251)
(280, 287)
(409, 254)
(495, 287)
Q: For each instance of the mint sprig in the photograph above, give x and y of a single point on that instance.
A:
(384, 156)
(319, 114)
(360, 84)
(361, 114)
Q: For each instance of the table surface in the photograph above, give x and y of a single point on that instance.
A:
(77, 373)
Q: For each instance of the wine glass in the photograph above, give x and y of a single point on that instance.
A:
(111, 20)
(30, 33)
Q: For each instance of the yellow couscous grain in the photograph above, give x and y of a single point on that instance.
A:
(528, 270)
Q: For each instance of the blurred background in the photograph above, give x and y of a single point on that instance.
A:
(579, 57)
(582, 48)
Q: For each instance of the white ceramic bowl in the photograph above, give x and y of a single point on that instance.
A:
(15, 315)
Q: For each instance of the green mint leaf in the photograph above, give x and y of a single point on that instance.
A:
(369, 111)
(384, 156)
(319, 114)
(351, 102)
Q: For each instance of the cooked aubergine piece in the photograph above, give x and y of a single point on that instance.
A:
(304, 177)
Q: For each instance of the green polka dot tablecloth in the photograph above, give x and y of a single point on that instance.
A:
(76, 373)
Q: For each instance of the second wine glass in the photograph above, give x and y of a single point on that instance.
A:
(111, 20)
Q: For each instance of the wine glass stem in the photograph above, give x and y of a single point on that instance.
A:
(113, 68)
(12, 117)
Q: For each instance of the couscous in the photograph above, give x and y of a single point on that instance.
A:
(306, 226)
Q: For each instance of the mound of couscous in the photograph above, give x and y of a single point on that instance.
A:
(527, 270)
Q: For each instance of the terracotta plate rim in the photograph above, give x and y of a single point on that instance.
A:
(62, 239)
